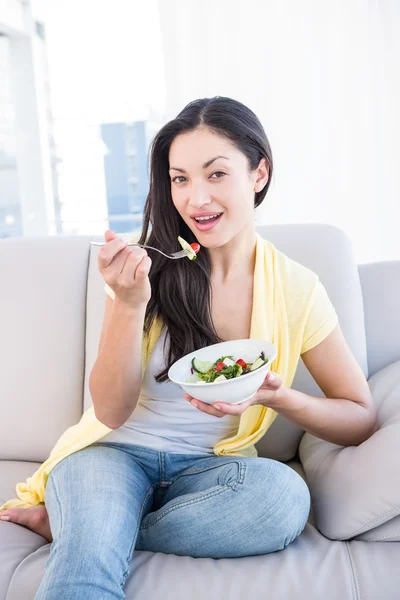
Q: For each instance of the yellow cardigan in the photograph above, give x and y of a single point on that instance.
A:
(290, 308)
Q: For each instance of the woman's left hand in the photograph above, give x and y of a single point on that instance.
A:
(267, 394)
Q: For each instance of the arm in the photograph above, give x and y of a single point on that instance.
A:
(346, 416)
(116, 377)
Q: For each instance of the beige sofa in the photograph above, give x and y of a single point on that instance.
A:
(52, 307)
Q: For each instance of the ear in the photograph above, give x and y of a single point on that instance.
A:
(262, 175)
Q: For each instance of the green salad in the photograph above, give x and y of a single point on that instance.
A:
(222, 369)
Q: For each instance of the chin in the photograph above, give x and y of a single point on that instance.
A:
(218, 240)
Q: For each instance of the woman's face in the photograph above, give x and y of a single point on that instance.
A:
(210, 178)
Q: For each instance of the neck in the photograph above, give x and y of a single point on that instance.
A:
(236, 258)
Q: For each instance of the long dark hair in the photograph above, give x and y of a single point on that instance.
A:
(181, 289)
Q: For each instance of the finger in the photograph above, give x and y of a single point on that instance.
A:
(115, 268)
(142, 270)
(231, 409)
(108, 252)
(120, 261)
(272, 381)
(135, 257)
(109, 235)
(204, 407)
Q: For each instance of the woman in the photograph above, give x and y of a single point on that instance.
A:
(173, 474)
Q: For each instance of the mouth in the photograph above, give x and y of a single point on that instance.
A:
(206, 222)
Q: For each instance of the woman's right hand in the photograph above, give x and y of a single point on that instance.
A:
(126, 270)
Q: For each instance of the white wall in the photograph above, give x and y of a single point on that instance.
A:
(11, 16)
(105, 59)
(324, 79)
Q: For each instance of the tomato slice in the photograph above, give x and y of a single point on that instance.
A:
(196, 247)
(220, 366)
(241, 363)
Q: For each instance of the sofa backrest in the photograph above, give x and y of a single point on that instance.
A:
(53, 303)
(43, 306)
(380, 283)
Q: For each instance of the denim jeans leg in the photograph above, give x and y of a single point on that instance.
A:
(95, 498)
(225, 507)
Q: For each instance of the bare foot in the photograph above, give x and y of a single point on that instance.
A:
(34, 518)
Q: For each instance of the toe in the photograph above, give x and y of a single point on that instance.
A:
(5, 517)
(10, 515)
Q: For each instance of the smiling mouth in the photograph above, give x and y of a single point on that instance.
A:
(207, 219)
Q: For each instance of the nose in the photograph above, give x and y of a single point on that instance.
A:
(198, 196)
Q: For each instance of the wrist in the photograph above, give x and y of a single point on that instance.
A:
(276, 399)
(128, 309)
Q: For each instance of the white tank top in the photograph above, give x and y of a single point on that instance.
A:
(165, 421)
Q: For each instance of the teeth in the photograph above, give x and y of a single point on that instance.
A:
(207, 218)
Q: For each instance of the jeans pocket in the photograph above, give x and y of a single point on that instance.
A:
(219, 471)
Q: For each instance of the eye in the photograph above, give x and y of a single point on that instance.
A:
(219, 175)
(175, 179)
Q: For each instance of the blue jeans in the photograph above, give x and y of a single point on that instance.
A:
(107, 500)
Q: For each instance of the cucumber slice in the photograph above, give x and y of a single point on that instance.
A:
(201, 366)
(257, 364)
(188, 247)
(194, 378)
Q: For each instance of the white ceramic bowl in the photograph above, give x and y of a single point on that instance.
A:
(232, 391)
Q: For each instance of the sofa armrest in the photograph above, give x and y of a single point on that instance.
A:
(355, 489)
(380, 284)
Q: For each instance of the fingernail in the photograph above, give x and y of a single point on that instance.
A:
(217, 406)
(271, 376)
(194, 404)
(5, 518)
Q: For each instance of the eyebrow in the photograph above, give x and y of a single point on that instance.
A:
(206, 164)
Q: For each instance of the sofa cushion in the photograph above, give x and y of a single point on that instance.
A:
(387, 532)
(357, 488)
(290, 573)
(11, 473)
(16, 544)
(376, 570)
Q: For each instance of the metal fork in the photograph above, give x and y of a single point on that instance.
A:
(174, 255)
